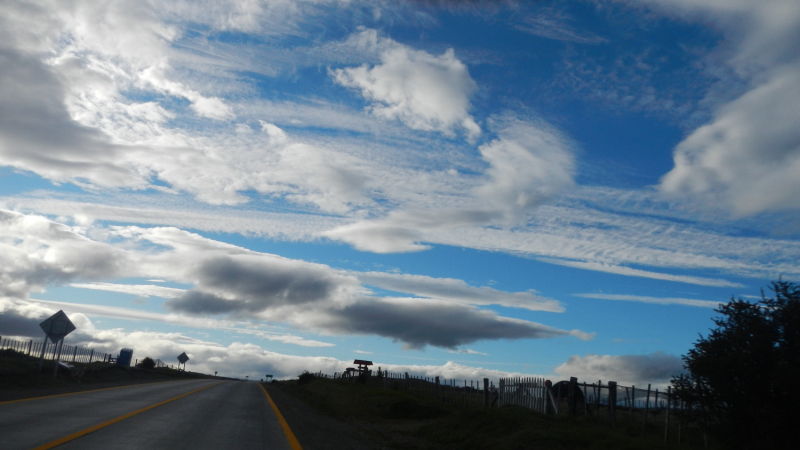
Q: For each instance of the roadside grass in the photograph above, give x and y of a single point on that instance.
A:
(432, 424)
(20, 376)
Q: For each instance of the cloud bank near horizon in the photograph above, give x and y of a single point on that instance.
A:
(238, 284)
(20, 320)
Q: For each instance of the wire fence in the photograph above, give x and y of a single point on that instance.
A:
(652, 410)
(460, 393)
(68, 353)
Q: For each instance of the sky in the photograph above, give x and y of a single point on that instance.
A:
(463, 189)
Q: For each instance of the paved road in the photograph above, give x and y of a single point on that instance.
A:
(230, 414)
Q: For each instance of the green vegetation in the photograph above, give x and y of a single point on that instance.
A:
(400, 420)
(743, 382)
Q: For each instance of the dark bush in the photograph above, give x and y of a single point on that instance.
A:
(147, 363)
(305, 377)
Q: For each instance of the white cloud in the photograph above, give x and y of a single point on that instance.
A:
(656, 368)
(21, 319)
(553, 24)
(14, 309)
(529, 164)
(748, 156)
(143, 290)
(456, 290)
(655, 300)
(598, 229)
(424, 91)
(631, 272)
(468, 351)
(238, 284)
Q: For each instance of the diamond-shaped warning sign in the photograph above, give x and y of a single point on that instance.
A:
(57, 326)
(182, 358)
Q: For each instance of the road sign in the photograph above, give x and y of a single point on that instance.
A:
(182, 358)
(57, 326)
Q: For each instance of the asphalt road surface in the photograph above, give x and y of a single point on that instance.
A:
(212, 415)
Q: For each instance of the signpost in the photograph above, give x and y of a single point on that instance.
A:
(55, 328)
(182, 358)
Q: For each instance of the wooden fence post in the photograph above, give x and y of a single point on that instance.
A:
(666, 420)
(612, 402)
(501, 386)
(573, 404)
(597, 398)
(646, 408)
(585, 404)
(41, 358)
(485, 393)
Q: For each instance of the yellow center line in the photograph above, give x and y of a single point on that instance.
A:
(85, 392)
(74, 436)
(286, 430)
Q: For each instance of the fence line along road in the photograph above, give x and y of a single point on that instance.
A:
(597, 402)
(69, 353)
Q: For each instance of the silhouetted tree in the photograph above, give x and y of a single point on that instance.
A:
(147, 363)
(744, 378)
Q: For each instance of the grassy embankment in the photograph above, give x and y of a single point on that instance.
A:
(20, 376)
(399, 420)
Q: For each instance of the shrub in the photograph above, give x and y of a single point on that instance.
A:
(305, 377)
(147, 363)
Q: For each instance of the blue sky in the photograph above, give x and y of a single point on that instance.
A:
(463, 189)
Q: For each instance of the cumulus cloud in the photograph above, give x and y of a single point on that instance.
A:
(234, 283)
(424, 91)
(530, 163)
(656, 368)
(748, 156)
(37, 132)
